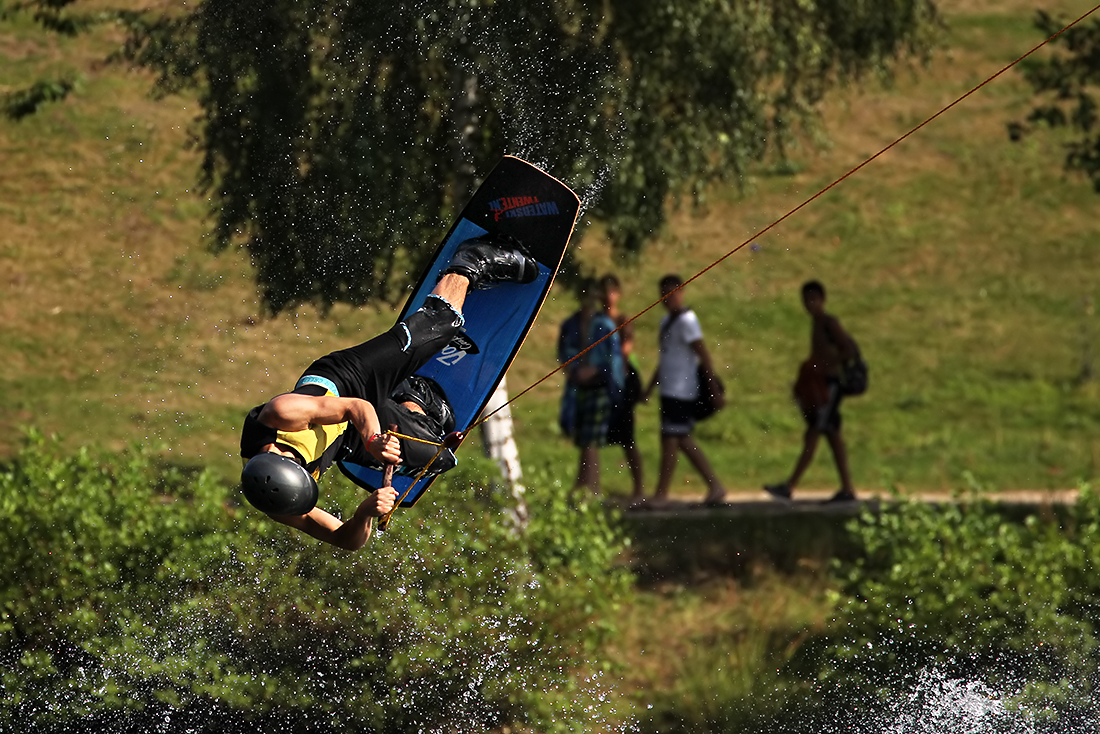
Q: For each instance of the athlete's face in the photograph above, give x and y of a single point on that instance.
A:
(276, 449)
(674, 299)
(611, 296)
(814, 302)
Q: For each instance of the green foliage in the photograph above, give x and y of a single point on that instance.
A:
(132, 595)
(25, 102)
(55, 15)
(1065, 86)
(95, 544)
(729, 685)
(976, 594)
(338, 139)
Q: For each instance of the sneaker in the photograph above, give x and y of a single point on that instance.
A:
(841, 496)
(715, 498)
(490, 260)
(780, 491)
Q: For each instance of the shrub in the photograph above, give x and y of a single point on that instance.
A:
(963, 589)
(136, 594)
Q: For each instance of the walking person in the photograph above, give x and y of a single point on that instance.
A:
(593, 385)
(818, 392)
(682, 353)
(620, 432)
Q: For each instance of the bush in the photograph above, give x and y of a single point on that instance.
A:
(138, 596)
(962, 589)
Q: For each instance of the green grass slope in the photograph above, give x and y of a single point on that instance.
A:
(964, 264)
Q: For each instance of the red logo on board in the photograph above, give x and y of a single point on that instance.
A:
(512, 207)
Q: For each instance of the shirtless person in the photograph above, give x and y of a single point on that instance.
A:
(341, 405)
(817, 392)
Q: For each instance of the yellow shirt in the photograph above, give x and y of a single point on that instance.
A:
(312, 442)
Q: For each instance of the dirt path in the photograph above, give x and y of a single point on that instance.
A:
(811, 500)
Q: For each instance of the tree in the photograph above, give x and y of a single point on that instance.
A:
(339, 138)
(1066, 85)
(336, 135)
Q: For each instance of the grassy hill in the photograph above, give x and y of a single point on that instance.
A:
(963, 263)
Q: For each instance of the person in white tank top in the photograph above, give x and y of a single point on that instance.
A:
(682, 351)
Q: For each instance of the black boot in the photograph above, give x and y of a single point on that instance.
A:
(490, 260)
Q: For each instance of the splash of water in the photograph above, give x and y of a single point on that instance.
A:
(939, 704)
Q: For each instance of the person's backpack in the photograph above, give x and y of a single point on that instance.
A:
(709, 401)
(853, 371)
(853, 375)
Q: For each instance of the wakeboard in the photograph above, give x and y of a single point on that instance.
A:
(517, 199)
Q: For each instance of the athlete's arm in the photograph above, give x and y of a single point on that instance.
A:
(295, 412)
(626, 339)
(701, 352)
(350, 535)
(846, 345)
(652, 384)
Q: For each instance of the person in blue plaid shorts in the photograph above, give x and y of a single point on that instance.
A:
(593, 385)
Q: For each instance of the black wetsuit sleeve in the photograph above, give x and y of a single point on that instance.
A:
(255, 435)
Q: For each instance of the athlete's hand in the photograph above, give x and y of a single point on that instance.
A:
(385, 447)
(382, 501)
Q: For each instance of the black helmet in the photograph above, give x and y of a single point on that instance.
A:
(278, 485)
